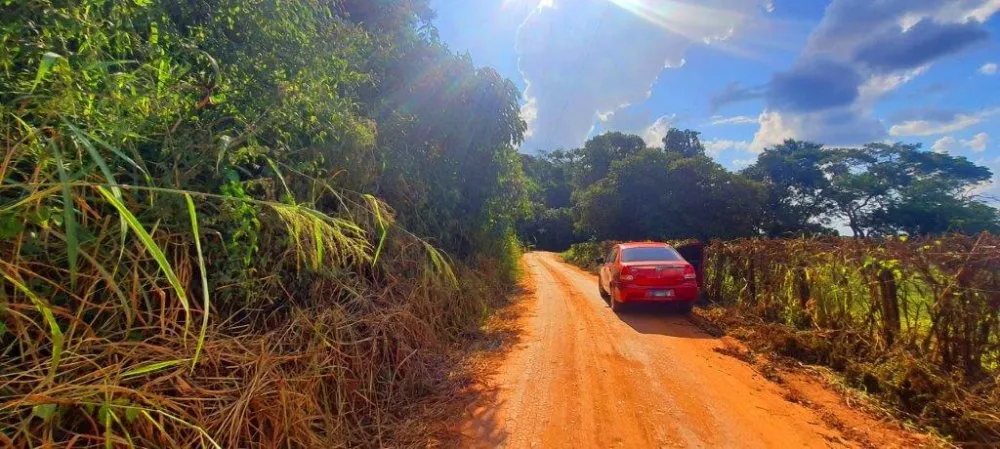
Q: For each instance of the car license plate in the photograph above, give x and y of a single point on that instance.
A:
(662, 293)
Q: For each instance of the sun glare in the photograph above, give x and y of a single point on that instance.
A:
(693, 21)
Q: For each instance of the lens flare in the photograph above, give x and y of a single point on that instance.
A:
(696, 22)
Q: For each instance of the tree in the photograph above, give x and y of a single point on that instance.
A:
(684, 142)
(549, 224)
(877, 189)
(661, 195)
(593, 161)
(796, 185)
(867, 184)
(925, 208)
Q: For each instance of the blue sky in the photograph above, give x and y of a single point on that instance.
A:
(745, 73)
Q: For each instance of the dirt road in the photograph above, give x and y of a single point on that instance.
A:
(582, 377)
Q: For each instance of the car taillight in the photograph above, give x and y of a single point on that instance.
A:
(689, 272)
(626, 275)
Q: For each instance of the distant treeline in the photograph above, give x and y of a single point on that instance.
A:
(618, 188)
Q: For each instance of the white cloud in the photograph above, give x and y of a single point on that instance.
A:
(923, 128)
(966, 10)
(977, 143)
(851, 35)
(737, 120)
(835, 127)
(654, 134)
(989, 69)
(773, 130)
(989, 190)
(582, 60)
(944, 144)
(878, 86)
(717, 146)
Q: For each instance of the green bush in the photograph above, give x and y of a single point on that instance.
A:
(243, 223)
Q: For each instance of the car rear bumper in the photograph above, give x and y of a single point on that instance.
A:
(637, 293)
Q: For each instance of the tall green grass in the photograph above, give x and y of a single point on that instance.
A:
(194, 247)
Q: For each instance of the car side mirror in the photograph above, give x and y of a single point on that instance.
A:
(600, 260)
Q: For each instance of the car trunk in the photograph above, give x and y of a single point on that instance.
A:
(656, 274)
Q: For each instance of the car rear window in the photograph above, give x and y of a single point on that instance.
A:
(651, 253)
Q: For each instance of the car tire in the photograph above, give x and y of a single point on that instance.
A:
(616, 307)
(685, 308)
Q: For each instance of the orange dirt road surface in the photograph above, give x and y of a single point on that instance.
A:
(583, 377)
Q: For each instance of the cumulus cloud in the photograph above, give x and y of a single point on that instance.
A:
(716, 147)
(841, 126)
(861, 51)
(988, 69)
(944, 144)
(977, 143)
(939, 122)
(654, 134)
(630, 120)
(583, 60)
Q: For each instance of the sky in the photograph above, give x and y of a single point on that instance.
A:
(747, 74)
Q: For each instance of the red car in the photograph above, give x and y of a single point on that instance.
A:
(647, 272)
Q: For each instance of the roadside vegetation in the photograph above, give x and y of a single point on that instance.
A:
(617, 188)
(240, 223)
(253, 223)
(908, 309)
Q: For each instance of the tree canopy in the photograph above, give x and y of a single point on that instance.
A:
(622, 190)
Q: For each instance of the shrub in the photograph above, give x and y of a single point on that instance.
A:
(188, 256)
(914, 321)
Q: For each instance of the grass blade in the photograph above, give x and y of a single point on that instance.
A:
(151, 368)
(48, 60)
(383, 227)
(154, 250)
(50, 320)
(69, 216)
(317, 243)
(204, 278)
(288, 192)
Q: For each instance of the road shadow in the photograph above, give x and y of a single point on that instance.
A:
(480, 424)
(656, 319)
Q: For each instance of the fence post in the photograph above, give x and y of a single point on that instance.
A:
(890, 305)
(720, 266)
(802, 286)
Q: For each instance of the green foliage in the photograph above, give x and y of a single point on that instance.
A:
(660, 195)
(587, 254)
(880, 189)
(337, 187)
(795, 185)
(686, 143)
(621, 190)
(914, 321)
(593, 162)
